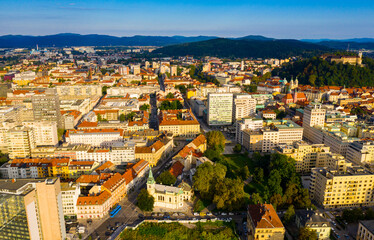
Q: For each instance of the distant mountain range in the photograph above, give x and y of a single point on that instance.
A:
(255, 46)
(71, 39)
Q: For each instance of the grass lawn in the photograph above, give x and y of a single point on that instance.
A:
(237, 161)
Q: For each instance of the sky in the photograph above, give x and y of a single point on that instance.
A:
(298, 19)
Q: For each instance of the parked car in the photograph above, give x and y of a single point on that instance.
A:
(196, 214)
(223, 214)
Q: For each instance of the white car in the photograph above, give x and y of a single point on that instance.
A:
(231, 214)
(223, 214)
(196, 214)
(209, 214)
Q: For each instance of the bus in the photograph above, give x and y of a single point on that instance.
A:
(115, 210)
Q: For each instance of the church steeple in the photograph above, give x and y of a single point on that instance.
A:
(151, 179)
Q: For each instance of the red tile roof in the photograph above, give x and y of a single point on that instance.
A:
(113, 182)
(176, 169)
(94, 200)
(264, 216)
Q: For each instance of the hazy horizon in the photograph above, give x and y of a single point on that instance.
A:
(289, 19)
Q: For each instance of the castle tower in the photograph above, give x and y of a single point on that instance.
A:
(359, 60)
(151, 182)
(297, 82)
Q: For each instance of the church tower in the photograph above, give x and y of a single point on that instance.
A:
(151, 182)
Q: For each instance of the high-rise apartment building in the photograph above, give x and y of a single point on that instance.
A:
(342, 186)
(46, 107)
(314, 115)
(244, 106)
(31, 209)
(20, 141)
(361, 152)
(45, 132)
(220, 106)
(307, 156)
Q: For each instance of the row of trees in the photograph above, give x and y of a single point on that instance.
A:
(168, 105)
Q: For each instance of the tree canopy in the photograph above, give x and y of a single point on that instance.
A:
(174, 105)
(307, 234)
(216, 141)
(145, 201)
(318, 72)
(212, 185)
(166, 178)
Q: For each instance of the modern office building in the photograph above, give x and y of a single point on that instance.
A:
(31, 209)
(361, 152)
(220, 107)
(244, 106)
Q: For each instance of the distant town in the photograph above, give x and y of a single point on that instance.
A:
(119, 142)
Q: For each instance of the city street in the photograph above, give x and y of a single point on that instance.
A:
(129, 214)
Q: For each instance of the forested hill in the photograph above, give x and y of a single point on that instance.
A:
(246, 48)
(318, 72)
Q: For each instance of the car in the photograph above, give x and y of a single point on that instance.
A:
(182, 214)
(160, 214)
(118, 224)
(196, 214)
(107, 233)
(202, 214)
(231, 214)
(194, 219)
(223, 214)
(209, 214)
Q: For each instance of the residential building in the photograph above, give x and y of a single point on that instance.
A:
(182, 123)
(93, 207)
(342, 186)
(264, 223)
(252, 140)
(95, 137)
(45, 132)
(168, 196)
(153, 153)
(116, 186)
(365, 230)
(219, 110)
(314, 221)
(361, 152)
(307, 156)
(69, 195)
(31, 209)
(20, 141)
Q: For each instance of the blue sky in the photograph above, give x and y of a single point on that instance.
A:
(280, 19)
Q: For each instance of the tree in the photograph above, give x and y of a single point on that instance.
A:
(244, 173)
(289, 214)
(256, 198)
(205, 178)
(170, 95)
(166, 178)
(144, 107)
(259, 175)
(237, 148)
(307, 234)
(104, 90)
(122, 117)
(229, 194)
(145, 201)
(99, 118)
(274, 182)
(276, 200)
(216, 141)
